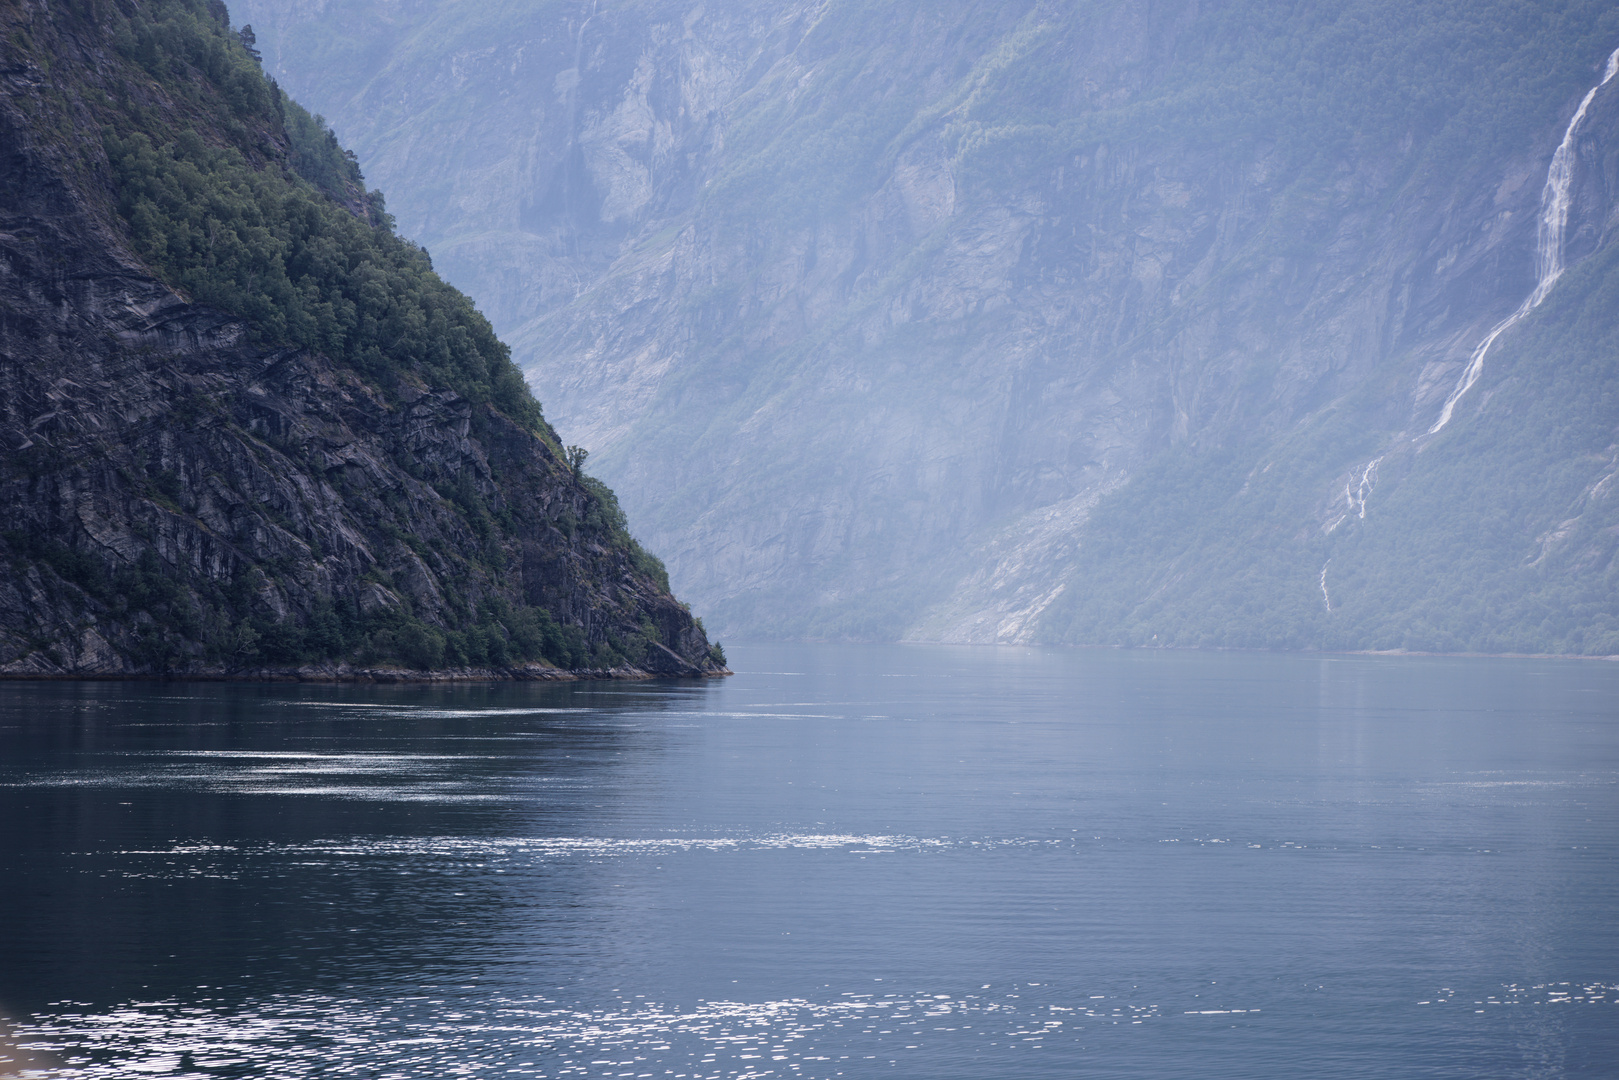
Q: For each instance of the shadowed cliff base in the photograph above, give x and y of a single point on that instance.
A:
(347, 673)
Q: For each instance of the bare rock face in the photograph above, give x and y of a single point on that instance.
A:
(868, 313)
(179, 499)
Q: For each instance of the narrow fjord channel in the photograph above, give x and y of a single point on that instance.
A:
(900, 861)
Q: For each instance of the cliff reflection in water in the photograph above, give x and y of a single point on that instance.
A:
(265, 838)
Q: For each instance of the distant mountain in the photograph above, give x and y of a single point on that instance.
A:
(247, 429)
(1100, 323)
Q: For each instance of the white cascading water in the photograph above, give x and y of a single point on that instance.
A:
(1368, 480)
(1548, 247)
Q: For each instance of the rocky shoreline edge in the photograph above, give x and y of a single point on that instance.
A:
(348, 673)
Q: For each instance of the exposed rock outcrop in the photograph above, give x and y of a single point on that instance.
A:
(178, 496)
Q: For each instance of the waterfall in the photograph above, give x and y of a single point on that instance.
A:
(1368, 480)
(1548, 244)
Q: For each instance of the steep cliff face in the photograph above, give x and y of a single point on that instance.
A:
(1022, 322)
(184, 494)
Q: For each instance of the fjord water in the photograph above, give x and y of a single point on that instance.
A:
(844, 861)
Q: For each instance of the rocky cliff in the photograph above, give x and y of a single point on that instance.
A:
(1015, 321)
(188, 490)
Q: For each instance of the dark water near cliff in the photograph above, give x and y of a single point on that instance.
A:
(859, 862)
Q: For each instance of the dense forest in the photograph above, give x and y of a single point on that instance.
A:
(277, 247)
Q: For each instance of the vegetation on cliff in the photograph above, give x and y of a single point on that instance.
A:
(352, 470)
(275, 245)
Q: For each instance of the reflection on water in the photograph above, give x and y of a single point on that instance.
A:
(20, 1055)
(928, 862)
(417, 1036)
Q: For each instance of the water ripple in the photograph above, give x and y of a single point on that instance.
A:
(297, 1036)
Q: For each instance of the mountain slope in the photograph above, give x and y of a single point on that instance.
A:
(247, 427)
(1032, 322)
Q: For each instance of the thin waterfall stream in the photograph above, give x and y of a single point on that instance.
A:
(1548, 247)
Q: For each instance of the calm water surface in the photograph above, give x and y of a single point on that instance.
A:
(858, 862)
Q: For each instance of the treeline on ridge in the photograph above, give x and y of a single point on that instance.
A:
(278, 248)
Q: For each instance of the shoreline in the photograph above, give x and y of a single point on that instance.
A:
(345, 673)
(1609, 657)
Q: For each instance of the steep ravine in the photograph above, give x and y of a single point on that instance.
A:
(185, 496)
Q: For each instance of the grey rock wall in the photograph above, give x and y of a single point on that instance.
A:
(880, 398)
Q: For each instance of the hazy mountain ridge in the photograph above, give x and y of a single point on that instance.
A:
(896, 321)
